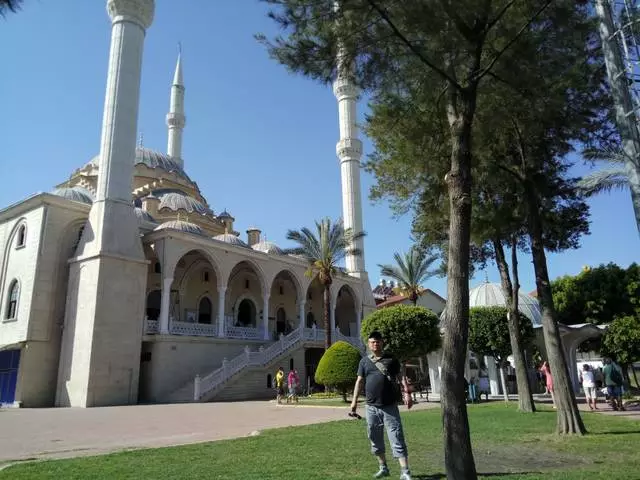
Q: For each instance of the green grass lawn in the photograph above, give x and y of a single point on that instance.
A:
(507, 445)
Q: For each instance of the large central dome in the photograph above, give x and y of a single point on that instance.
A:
(491, 295)
(152, 159)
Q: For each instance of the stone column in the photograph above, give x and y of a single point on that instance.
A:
(265, 316)
(221, 299)
(358, 322)
(332, 321)
(163, 325)
(301, 305)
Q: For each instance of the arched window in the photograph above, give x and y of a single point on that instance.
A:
(246, 313)
(21, 239)
(12, 300)
(153, 304)
(281, 321)
(204, 310)
(310, 320)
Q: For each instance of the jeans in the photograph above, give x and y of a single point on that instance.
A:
(389, 417)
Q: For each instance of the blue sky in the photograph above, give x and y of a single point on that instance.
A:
(259, 141)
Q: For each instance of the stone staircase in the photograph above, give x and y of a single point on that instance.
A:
(254, 364)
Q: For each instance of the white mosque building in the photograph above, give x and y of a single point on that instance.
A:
(123, 286)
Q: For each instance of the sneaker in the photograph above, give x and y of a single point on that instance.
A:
(405, 475)
(383, 472)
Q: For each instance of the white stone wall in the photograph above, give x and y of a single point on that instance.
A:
(19, 263)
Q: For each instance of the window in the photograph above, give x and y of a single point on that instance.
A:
(12, 300)
(281, 321)
(21, 240)
(77, 241)
(157, 268)
(246, 313)
(204, 310)
(281, 290)
(311, 321)
(291, 364)
(246, 283)
(205, 276)
(153, 304)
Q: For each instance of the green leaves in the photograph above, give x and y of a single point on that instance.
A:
(408, 331)
(411, 270)
(338, 367)
(489, 332)
(622, 339)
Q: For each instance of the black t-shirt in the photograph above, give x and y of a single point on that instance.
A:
(379, 390)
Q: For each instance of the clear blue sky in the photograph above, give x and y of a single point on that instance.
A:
(259, 141)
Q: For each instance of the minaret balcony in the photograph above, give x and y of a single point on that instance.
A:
(176, 120)
(349, 148)
(343, 88)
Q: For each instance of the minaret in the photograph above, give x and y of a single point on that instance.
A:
(175, 118)
(100, 353)
(349, 151)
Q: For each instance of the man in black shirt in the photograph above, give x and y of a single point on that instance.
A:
(380, 373)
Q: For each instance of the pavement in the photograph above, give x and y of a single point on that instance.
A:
(33, 434)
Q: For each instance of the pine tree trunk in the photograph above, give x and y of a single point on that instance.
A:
(505, 392)
(525, 397)
(569, 420)
(458, 456)
(327, 316)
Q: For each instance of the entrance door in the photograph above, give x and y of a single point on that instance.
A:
(281, 321)
(9, 361)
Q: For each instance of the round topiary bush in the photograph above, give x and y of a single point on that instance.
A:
(338, 367)
(408, 330)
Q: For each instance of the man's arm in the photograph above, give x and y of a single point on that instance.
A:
(356, 392)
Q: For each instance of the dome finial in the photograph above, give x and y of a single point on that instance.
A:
(486, 277)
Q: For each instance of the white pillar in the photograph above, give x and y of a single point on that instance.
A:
(332, 322)
(358, 322)
(221, 299)
(265, 316)
(164, 305)
(349, 152)
(301, 305)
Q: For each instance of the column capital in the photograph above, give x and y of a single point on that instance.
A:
(136, 11)
(222, 288)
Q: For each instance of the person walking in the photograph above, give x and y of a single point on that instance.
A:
(380, 373)
(546, 371)
(588, 380)
(613, 381)
(279, 385)
(292, 382)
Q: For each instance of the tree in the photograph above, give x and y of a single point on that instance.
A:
(622, 342)
(9, 6)
(489, 335)
(323, 251)
(408, 330)
(449, 48)
(410, 272)
(338, 367)
(612, 177)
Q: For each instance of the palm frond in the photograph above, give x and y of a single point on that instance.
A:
(604, 180)
(410, 270)
(609, 155)
(9, 6)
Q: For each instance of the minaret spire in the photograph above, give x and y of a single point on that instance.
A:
(349, 152)
(175, 118)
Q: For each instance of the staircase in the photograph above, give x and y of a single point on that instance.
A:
(204, 388)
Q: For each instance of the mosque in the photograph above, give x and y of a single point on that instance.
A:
(124, 286)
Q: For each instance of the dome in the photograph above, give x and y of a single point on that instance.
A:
(77, 194)
(267, 247)
(153, 159)
(490, 295)
(181, 226)
(224, 214)
(176, 200)
(143, 216)
(230, 238)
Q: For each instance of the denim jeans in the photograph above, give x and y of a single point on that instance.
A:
(389, 417)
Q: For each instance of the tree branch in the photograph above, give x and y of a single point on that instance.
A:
(486, 69)
(412, 47)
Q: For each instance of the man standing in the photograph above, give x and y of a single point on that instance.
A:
(613, 381)
(380, 373)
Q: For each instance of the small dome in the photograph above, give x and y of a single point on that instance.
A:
(77, 194)
(176, 200)
(143, 216)
(267, 247)
(181, 226)
(491, 295)
(153, 159)
(230, 238)
(224, 214)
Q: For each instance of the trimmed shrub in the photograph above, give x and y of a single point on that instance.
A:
(338, 367)
(408, 331)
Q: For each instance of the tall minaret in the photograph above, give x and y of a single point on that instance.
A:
(175, 118)
(349, 151)
(100, 353)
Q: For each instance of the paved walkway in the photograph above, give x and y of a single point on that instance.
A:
(69, 432)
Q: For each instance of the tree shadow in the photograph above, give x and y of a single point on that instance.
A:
(440, 476)
(616, 432)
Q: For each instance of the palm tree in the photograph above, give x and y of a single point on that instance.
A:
(323, 251)
(410, 271)
(617, 176)
(9, 5)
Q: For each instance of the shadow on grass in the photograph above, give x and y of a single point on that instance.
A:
(440, 476)
(615, 432)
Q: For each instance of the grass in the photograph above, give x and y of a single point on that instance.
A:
(507, 445)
